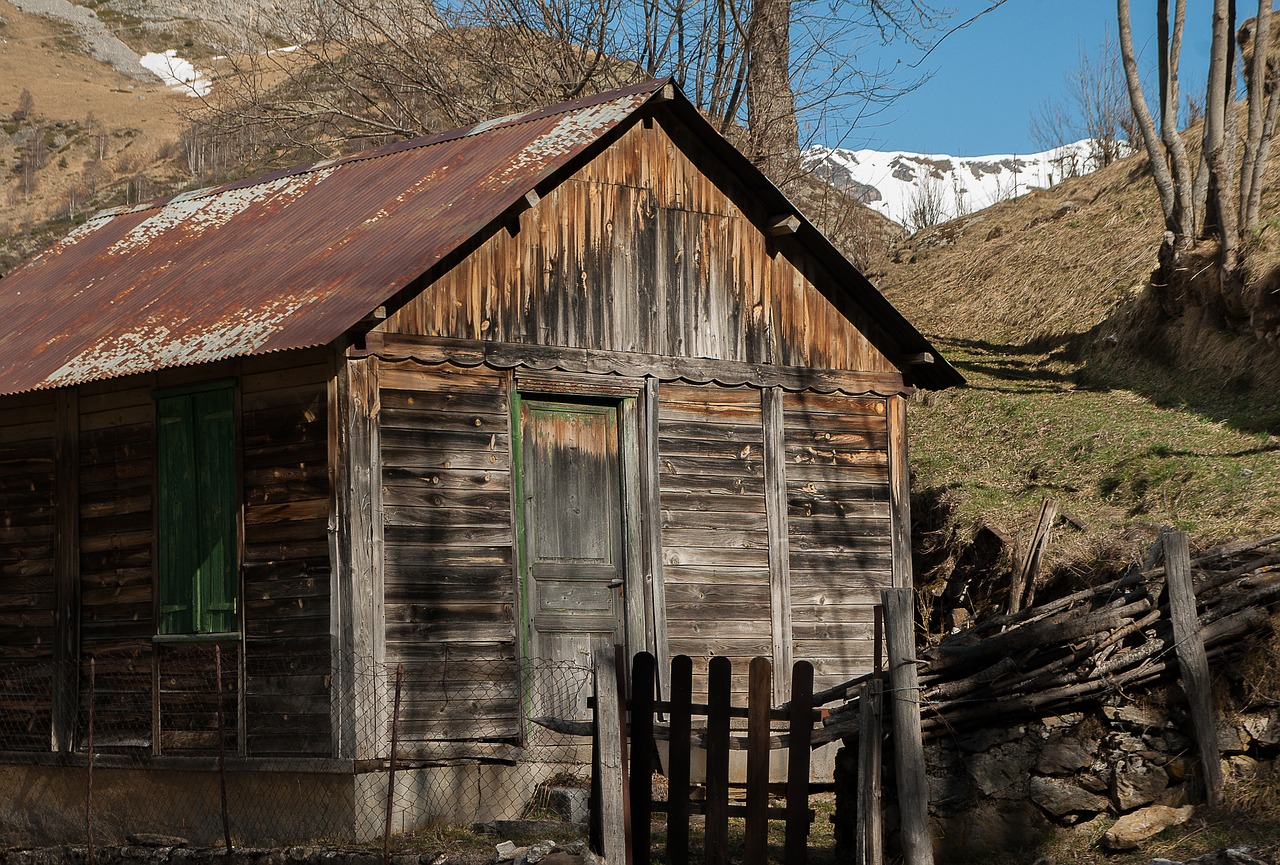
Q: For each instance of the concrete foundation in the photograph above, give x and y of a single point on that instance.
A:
(44, 805)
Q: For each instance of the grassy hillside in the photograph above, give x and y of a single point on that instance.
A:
(1080, 390)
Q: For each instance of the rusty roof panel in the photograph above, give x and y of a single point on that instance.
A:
(289, 260)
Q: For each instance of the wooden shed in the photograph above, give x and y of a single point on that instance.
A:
(462, 403)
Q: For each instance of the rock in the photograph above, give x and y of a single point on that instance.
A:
(1003, 772)
(1233, 856)
(143, 839)
(561, 857)
(1135, 717)
(1061, 798)
(538, 851)
(1132, 829)
(506, 850)
(1062, 722)
(1064, 208)
(1135, 784)
(1239, 767)
(1063, 755)
(1159, 861)
(1262, 727)
(993, 826)
(1231, 739)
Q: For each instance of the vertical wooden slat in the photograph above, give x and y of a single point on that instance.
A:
(655, 586)
(1192, 661)
(870, 826)
(759, 698)
(341, 719)
(775, 478)
(899, 492)
(908, 746)
(609, 770)
(620, 678)
(716, 809)
(639, 636)
(681, 683)
(799, 732)
(362, 596)
(66, 564)
(643, 681)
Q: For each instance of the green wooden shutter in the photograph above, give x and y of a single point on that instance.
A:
(216, 452)
(196, 479)
(178, 529)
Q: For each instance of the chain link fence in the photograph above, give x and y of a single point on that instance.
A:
(195, 740)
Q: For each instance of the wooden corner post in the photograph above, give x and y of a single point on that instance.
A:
(908, 745)
(359, 597)
(1193, 661)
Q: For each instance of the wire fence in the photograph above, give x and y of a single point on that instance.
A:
(198, 741)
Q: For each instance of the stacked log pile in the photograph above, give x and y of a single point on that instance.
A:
(1069, 652)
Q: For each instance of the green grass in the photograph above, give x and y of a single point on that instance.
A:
(1033, 424)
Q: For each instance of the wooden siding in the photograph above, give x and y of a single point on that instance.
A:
(117, 462)
(715, 537)
(284, 431)
(448, 541)
(637, 231)
(837, 485)
(27, 583)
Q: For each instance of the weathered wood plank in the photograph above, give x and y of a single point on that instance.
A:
(908, 746)
(778, 540)
(1192, 661)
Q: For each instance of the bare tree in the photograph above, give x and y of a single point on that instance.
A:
(1094, 108)
(363, 73)
(1211, 202)
(927, 204)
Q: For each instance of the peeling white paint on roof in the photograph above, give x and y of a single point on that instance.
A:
(195, 215)
(571, 132)
(154, 345)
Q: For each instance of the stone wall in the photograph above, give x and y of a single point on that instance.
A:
(1012, 787)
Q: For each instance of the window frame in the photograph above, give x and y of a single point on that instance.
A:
(233, 574)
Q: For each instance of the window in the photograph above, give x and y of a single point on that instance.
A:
(196, 497)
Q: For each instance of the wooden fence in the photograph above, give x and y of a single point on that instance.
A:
(622, 794)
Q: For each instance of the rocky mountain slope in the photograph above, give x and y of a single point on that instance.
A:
(921, 189)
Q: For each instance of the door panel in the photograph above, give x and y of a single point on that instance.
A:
(573, 527)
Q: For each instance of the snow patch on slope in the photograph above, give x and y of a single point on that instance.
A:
(180, 74)
(892, 181)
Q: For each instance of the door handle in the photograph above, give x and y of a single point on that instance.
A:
(616, 584)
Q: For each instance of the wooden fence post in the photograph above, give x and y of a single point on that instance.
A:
(799, 732)
(716, 833)
(608, 769)
(678, 760)
(643, 682)
(1192, 660)
(759, 699)
(908, 746)
(870, 737)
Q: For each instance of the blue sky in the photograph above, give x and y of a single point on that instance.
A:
(989, 78)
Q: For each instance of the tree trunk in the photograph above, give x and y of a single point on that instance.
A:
(1172, 246)
(1260, 117)
(771, 103)
(1218, 148)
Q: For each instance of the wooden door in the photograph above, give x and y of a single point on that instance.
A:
(573, 527)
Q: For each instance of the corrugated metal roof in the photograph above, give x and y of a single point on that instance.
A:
(296, 258)
(285, 261)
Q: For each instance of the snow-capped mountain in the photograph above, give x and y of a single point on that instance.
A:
(919, 189)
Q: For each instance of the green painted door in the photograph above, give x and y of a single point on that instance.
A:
(573, 544)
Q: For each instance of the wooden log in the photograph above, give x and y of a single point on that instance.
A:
(908, 746)
(608, 769)
(716, 831)
(870, 845)
(1022, 587)
(678, 761)
(757, 822)
(800, 731)
(1192, 660)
